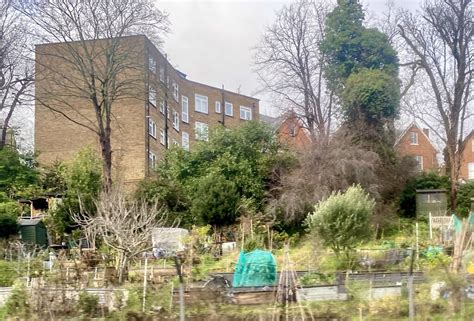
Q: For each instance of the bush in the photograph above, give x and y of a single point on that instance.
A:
(17, 303)
(465, 193)
(343, 220)
(8, 273)
(9, 212)
(88, 304)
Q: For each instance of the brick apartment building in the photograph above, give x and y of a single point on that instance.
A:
(167, 109)
(415, 142)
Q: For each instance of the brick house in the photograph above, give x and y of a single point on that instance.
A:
(166, 109)
(290, 130)
(467, 160)
(415, 142)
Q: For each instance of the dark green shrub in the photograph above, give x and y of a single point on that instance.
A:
(465, 192)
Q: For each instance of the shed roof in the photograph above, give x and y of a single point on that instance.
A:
(29, 221)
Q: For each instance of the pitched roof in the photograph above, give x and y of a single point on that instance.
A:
(413, 124)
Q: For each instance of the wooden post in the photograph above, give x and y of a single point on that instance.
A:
(144, 283)
(181, 289)
(411, 298)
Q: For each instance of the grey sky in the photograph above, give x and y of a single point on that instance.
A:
(211, 41)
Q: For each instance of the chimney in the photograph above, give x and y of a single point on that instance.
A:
(427, 132)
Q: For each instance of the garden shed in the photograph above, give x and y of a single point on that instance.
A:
(434, 201)
(33, 231)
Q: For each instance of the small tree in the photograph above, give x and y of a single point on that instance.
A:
(123, 226)
(343, 220)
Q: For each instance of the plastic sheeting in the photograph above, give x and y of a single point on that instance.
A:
(256, 268)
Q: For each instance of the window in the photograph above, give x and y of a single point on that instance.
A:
(185, 109)
(167, 81)
(151, 128)
(202, 132)
(162, 136)
(176, 120)
(176, 91)
(245, 113)
(151, 160)
(292, 129)
(185, 141)
(169, 113)
(152, 64)
(152, 96)
(470, 170)
(175, 142)
(218, 107)
(413, 138)
(229, 109)
(162, 74)
(200, 103)
(419, 163)
(162, 106)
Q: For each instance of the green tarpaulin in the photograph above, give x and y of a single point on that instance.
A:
(256, 268)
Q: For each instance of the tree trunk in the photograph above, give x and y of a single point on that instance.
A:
(3, 138)
(106, 151)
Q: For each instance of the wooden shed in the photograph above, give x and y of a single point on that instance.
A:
(33, 231)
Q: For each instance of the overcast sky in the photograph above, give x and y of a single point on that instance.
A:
(212, 41)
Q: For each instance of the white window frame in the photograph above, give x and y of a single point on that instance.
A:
(201, 104)
(162, 74)
(201, 131)
(151, 128)
(218, 107)
(175, 91)
(162, 106)
(413, 138)
(162, 136)
(152, 96)
(231, 106)
(185, 141)
(176, 120)
(168, 115)
(470, 170)
(419, 160)
(152, 63)
(185, 109)
(246, 111)
(175, 142)
(151, 159)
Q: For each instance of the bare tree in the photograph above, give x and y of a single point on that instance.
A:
(87, 76)
(322, 169)
(122, 225)
(441, 37)
(290, 64)
(16, 73)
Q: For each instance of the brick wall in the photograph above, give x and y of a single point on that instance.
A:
(59, 138)
(424, 148)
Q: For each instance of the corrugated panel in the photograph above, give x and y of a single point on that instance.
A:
(28, 234)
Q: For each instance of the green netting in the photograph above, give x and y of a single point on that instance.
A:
(256, 268)
(458, 222)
